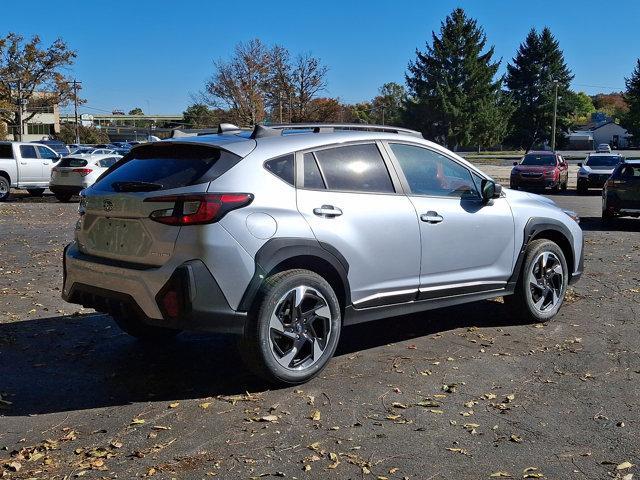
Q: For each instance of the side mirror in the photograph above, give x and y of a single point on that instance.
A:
(490, 190)
(515, 163)
(579, 164)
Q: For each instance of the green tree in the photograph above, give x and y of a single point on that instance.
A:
(582, 108)
(632, 96)
(531, 77)
(453, 86)
(89, 135)
(388, 105)
(136, 111)
(35, 74)
(199, 115)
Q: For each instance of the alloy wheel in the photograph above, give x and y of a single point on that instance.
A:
(300, 328)
(546, 281)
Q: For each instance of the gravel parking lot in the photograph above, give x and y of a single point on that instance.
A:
(463, 393)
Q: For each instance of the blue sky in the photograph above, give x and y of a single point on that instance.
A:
(154, 54)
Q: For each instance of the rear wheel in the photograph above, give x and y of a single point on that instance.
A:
(542, 283)
(582, 189)
(132, 325)
(35, 192)
(5, 188)
(564, 185)
(607, 216)
(63, 197)
(293, 330)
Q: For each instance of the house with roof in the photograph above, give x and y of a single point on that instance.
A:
(596, 133)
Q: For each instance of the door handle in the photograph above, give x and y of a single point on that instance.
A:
(328, 211)
(431, 217)
(23, 163)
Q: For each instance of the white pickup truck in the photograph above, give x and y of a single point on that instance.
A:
(25, 166)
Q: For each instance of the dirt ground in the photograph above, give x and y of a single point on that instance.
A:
(463, 393)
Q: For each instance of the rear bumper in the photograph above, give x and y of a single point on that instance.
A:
(111, 288)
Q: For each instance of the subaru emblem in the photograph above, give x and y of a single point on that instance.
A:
(107, 205)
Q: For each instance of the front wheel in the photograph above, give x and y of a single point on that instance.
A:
(564, 185)
(35, 192)
(542, 283)
(582, 189)
(293, 329)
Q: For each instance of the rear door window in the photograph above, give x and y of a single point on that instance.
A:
(28, 151)
(108, 162)
(168, 165)
(312, 176)
(354, 168)
(6, 151)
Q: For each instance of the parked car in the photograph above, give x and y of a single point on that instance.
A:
(56, 145)
(540, 170)
(25, 166)
(603, 148)
(284, 238)
(94, 151)
(595, 170)
(77, 172)
(621, 193)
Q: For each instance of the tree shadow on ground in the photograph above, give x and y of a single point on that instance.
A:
(595, 224)
(81, 362)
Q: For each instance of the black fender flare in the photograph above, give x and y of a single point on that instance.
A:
(534, 226)
(278, 250)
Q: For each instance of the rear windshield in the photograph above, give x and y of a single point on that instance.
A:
(629, 172)
(603, 160)
(538, 159)
(72, 162)
(168, 165)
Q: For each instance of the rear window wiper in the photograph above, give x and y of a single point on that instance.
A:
(134, 186)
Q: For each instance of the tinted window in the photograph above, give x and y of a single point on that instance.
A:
(628, 172)
(28, 151)
(603, 160)
(430, 173)
(47, 153)
(72, 162)
(168, 165)
(6, 151)
(354, 168)
(312, 176)
(107, 162)
(537, 159)
(282, 167)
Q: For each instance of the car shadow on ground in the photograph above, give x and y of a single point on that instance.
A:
(80, 362)
(595, 224)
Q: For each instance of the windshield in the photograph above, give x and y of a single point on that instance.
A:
(168, 166)
(539, 159)
(603, 160)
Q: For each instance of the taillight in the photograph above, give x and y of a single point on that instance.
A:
(82, 171)
(612, 182)
(197, 209)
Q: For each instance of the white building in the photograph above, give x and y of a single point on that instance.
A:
(45, 123)
(593, 135)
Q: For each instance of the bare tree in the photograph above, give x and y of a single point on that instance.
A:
(309, 78)
(31, 76)
(239, 84)
(279, 86)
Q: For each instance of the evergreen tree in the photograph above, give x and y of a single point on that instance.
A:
(632, 97)
(531, 77)
(454, 97)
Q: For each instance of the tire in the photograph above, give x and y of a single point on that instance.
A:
(513, 187)
(35, 192)
(608, 217)
(5, 188)
(556, 188)
(133, 326)
(291, 349)
(525, 301)
(63, 197)
(565, 185)
(582, 190)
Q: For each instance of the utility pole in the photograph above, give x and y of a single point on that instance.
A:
(555, 113)
(75, 109)
(280, 104)
(382, 114)
(20, 123)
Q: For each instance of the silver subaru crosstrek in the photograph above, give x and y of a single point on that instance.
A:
(285, 234)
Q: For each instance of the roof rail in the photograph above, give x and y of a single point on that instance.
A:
(332, 127)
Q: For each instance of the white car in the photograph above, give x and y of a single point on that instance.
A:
(77, 172)
(25, 166)
(603, 148)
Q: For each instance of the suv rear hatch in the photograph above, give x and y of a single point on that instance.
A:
(116, 210)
